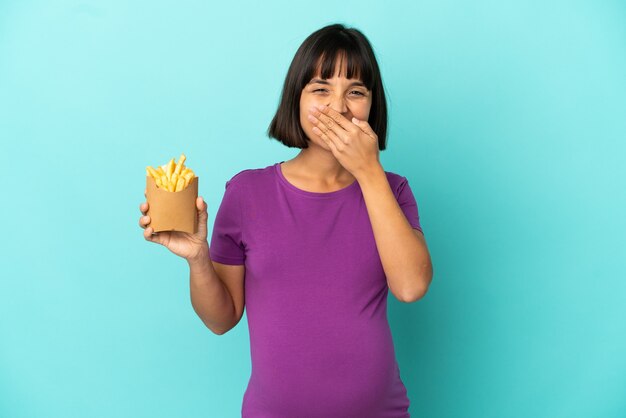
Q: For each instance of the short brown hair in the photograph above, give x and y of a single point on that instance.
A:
(325, 45)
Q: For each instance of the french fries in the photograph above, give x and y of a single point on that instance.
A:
(172, 176)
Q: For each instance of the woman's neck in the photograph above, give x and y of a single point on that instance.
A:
(319, 166)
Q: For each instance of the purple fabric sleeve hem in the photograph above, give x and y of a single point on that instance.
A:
(227, 260)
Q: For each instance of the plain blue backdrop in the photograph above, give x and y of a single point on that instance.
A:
(508, 119)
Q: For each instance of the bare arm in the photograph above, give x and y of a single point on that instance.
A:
(403, 250)
(209, 296)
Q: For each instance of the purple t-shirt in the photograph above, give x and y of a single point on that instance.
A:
(315, 296)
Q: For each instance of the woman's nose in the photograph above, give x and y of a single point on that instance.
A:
(338, 104)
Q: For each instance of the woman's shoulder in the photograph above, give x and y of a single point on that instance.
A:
(250, 176)
(392, 175)
(396, 181)
(400, 186)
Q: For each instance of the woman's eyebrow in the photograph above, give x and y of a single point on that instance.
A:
(318, 81)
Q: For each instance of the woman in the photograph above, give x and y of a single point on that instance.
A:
(319, 239)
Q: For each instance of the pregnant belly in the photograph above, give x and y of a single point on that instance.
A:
(334, 372)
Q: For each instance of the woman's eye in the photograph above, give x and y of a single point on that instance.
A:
(358, 93)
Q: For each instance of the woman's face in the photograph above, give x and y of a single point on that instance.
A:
(347, 96)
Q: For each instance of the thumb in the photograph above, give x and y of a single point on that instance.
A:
(202, 215)
(158, 238)
(199, 203)
(365, 127)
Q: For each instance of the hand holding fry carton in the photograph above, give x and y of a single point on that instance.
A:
(171, 192)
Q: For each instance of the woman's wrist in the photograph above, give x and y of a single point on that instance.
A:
(201, 257)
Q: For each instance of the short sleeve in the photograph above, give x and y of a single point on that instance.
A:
(226, 240)
(407, 203)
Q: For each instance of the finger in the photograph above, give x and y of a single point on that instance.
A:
(365, 127)
(328, 114)
(144, 221)
(329, 135)
(329, 142)
(143, 208)
(329, 127)
(149, 235)
(323, 121)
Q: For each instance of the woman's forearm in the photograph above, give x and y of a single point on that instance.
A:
(209, 296)
(404, 256)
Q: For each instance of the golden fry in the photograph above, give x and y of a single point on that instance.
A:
(180, 184)
(152, 172)
(179, 166)
(170, 169)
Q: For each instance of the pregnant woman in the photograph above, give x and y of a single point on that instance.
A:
(312, 246)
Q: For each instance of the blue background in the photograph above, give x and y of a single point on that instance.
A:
(508, 118)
